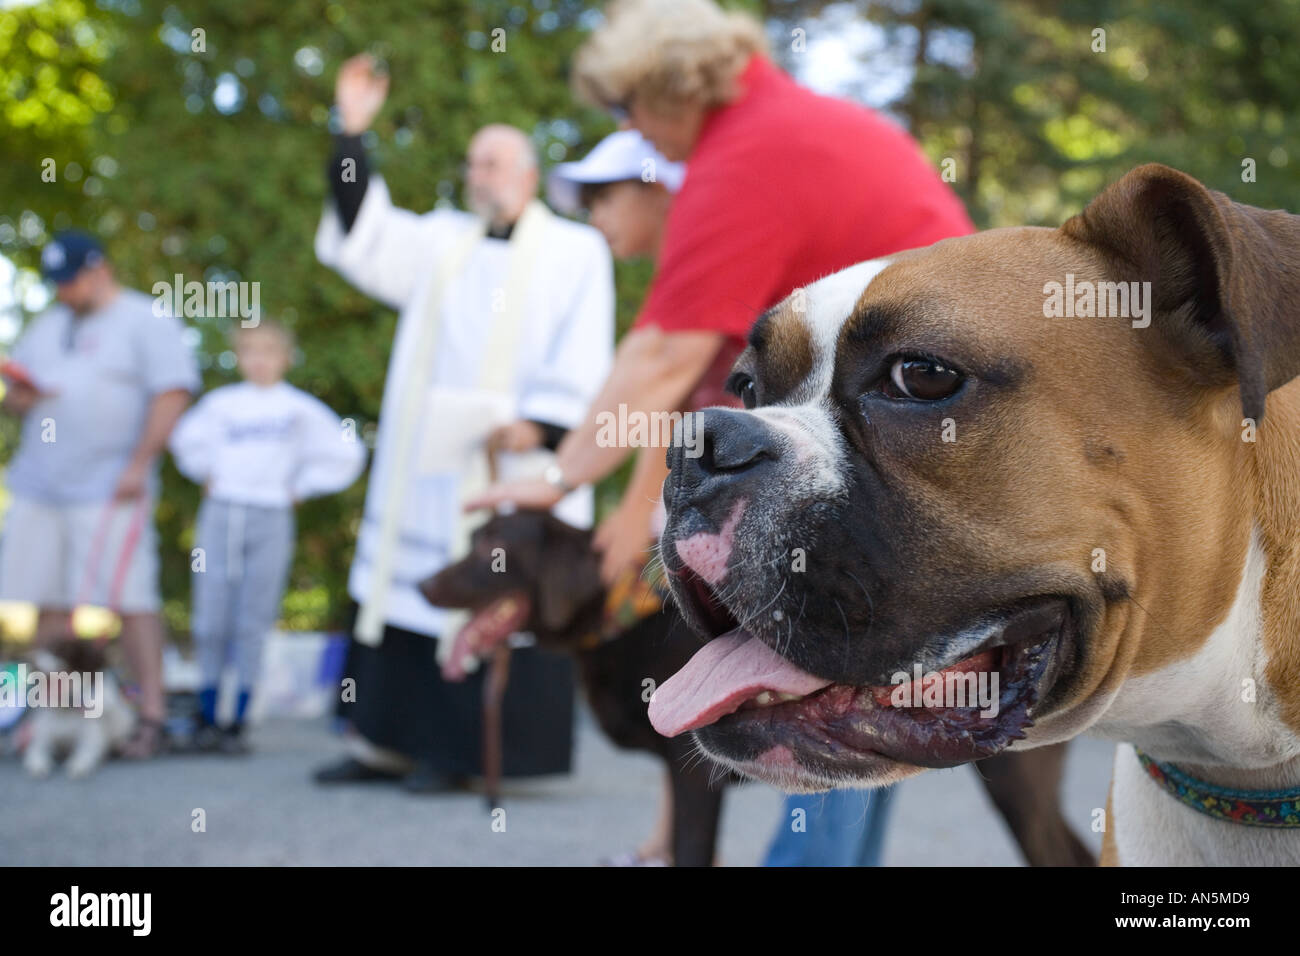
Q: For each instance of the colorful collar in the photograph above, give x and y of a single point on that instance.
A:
(635, 594)
(1277, 809)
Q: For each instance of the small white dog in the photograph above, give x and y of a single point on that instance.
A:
(87, 730)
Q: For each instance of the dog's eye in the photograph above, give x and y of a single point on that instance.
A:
(743, 387)
(921, 379)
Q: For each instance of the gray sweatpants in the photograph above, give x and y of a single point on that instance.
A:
(239, 584)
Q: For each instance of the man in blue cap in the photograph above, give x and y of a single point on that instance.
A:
(98, 380)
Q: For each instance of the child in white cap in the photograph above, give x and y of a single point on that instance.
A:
(626, 187)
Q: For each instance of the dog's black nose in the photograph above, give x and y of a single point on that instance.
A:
(725, 445)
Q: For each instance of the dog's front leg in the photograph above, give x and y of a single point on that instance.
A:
(697, 805)
(92, 747)
(1025, 786)
(39, 758)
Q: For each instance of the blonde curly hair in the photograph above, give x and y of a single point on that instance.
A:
(666, 52)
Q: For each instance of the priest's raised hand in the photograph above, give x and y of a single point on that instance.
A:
(359, 93)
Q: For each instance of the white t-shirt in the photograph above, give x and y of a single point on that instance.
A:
(266, 445)
(104, 370)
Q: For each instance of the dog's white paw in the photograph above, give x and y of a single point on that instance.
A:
(38, 767)
(79, 768)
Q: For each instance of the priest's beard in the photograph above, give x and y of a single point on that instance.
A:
(495, 206)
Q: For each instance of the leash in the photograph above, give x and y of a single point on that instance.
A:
(1275, 809)
(132, 538)
(635, 594)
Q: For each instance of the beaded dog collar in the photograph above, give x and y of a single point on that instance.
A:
(1277, 809)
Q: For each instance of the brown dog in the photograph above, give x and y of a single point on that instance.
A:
(529, 571)
(1036, 458)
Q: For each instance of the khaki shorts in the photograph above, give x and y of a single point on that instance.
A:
(61, 556)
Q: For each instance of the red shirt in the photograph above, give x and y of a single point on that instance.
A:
(785, 186)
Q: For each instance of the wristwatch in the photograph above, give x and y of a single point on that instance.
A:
(555, 478)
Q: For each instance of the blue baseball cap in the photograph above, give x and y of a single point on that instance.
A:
(68, 253)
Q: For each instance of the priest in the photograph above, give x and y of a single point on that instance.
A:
(505, 334)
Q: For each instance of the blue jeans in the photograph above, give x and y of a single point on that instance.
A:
(839, 828)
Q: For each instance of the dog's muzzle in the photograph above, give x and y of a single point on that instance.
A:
(733, 450)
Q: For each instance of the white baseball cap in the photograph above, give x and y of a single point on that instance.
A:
(619, 156)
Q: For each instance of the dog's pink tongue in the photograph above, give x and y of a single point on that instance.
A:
(721, 676)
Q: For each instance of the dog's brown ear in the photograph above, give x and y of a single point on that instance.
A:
(568, 576)
(1225, 277)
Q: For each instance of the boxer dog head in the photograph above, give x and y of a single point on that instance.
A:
(969, 481)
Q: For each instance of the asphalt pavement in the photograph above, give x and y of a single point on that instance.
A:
(264, 810)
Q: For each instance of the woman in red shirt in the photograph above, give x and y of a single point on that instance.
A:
(783, 186)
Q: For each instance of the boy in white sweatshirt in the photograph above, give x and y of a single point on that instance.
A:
(258, 448)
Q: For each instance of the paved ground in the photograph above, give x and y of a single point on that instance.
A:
(263, 810)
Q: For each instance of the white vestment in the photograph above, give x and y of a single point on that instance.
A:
(561, 359)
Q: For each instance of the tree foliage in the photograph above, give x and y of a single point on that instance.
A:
(1041, 103)
(211, 150)
(193, 137)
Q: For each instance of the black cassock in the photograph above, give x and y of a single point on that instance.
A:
(403, 703)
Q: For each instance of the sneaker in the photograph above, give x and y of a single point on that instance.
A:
(232, 742)
(206, 739)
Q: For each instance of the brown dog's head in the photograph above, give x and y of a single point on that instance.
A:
(72, 654)
(526, 571)
(953, 475)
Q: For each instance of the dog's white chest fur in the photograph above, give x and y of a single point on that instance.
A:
(1214, 708)
(1151, 828)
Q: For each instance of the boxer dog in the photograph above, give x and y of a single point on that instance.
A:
(946, 477)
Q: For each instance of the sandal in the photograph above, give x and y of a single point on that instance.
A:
(148, 740)
(206, 739)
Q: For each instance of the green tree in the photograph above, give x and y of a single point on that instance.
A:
(1041, 103)
(193, 136)
(216, 130)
